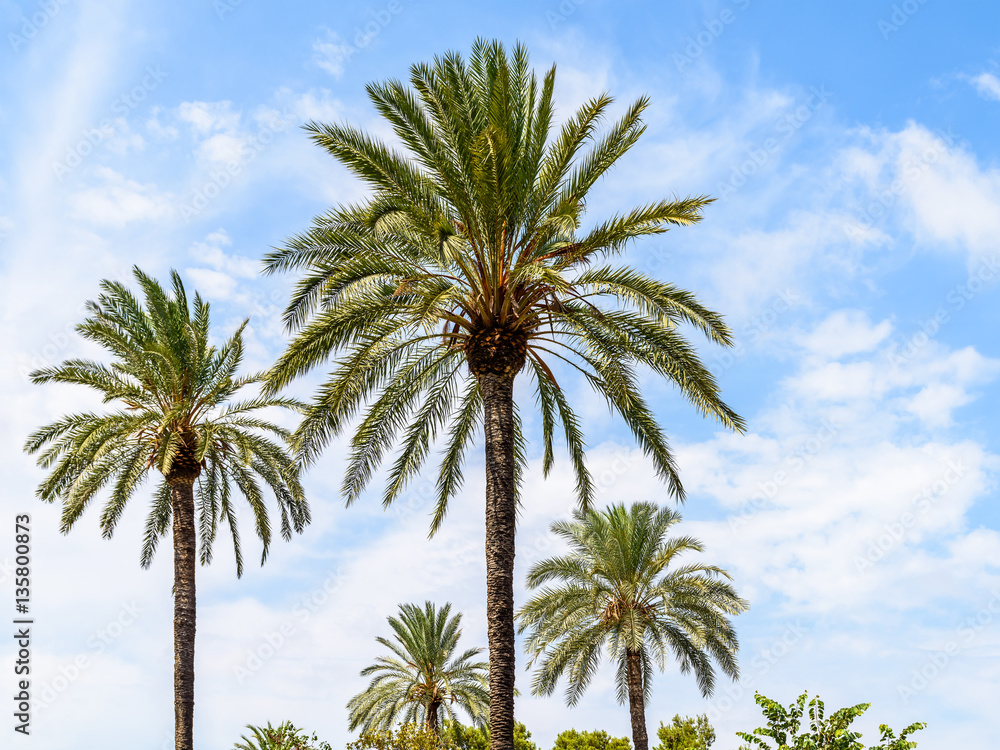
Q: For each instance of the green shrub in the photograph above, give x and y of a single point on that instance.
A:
(406, 737)
(596, 740)
(465, 737)
(686, 734)
(823, 734)
(284, 737)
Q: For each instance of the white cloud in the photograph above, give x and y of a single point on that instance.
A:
(216, 128)
(754, 265)
(332, 53)
(222, 279)
(213, 285)
(123, 140)
(210, 251)
(935, 403)
(957, 202)
(225, 139)
(929, 385)
(988, 86)
(208, 117)
(315, 104)
(159, 131)
(119, 201)
(837, 381)
(846, 332)
(927, 184)
(222, 148)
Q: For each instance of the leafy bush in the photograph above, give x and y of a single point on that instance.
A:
(406, 737)
(283, 737)
(824, 734)
(686, 734)
(465, 737)
(596, 740)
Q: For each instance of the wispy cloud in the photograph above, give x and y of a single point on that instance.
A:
(988, 86)
(116, 201)
(331, 53)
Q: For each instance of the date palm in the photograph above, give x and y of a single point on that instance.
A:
(615, 590)
(424, 677)
(464, 267)
(177, 415)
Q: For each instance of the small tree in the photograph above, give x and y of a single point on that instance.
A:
(465, 737)
(283, 737)
(824, 734)
(409, 736)
(425, 676)
(686, 734)
(596, 740)
(621, 588)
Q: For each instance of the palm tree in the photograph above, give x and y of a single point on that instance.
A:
(614, 589)
(423, 678)
(466, 266)
(177, 416)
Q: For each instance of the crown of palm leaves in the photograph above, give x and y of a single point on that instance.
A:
(469, 258)
(177, 415)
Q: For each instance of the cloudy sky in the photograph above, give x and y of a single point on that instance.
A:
(853, 250)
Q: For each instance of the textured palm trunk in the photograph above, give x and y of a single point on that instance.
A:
(501, 507)
(185, 540)
(636, 703)
(432, 717)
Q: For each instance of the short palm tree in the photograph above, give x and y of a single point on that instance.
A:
(615, 589)
(464, 267)
(424, 679)
(177, 416)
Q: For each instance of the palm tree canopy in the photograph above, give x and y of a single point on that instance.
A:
(468, 258)
(177, 415)
(424, 672)
(616, 588)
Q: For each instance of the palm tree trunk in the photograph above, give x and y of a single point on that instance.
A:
(185, 540)
(636, 702)
(432, 717)
(501, 507)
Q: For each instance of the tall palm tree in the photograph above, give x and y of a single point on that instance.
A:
(177, 416)
(466, 266)
(424, 678)
(615, 589)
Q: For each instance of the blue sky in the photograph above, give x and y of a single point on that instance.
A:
(852, 148)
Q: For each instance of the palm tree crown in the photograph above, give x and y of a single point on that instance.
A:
(176, 415)
(615, 589)
(424, 677)
(468, 252)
